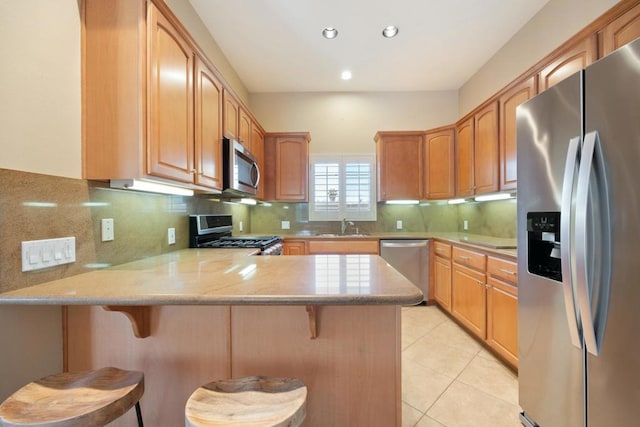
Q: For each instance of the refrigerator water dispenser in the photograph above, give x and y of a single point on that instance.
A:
(543, 239)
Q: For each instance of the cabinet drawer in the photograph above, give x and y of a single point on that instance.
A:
(342, 247)
(469, 258)
(442, 250)
(503, 269)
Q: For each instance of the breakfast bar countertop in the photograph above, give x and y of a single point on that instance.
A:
(229, 277)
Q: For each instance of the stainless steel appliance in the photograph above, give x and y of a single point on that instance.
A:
(241, 175)
(214, 231)
(579, 224)
(411, 258)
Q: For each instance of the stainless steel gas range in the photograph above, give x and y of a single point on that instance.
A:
(214, 231)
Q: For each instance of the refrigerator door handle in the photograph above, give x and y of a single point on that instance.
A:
(566, 241)
(593, 275)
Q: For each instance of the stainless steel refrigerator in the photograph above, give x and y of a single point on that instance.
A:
(579, 248)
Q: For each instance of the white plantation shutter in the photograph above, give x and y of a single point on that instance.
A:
(342, 186)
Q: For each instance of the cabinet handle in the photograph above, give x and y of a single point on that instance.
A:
(487, 286)
(513, 273)
(466, 258)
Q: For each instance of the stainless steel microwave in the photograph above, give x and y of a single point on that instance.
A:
(240, 169)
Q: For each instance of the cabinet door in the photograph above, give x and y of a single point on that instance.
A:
(442, 278)
(507, 105)
(244, 129)
(294, 247)
(343, 247)
(292, 169)
(464, 158)
(399, 162)
(469, 299)
(486, 150)
(170, 101)
(621, 31)
(502, 319)
(257, 149)
(208, 128)
(231, 112)
(439, 164)
(569, 62)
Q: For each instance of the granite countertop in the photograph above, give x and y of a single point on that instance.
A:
(229, 277)
(497, 245)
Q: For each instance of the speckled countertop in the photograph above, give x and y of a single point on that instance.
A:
(229, 277)
(488, 244)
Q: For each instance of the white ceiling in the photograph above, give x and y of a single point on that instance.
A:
(277, 46)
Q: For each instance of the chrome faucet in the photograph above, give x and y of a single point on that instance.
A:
(344, 224)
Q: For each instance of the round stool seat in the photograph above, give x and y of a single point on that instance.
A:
(251, 401)
(92, 398)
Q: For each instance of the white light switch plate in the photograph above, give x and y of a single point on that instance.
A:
(399, 224)
(107, 227)
(39, 254)
(286, 225)
(171, 236)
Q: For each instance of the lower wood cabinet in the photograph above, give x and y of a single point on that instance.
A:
(294, 247)
(481, 292)
(342, 246)
(469, 298)
(442, 274)
(502, 308)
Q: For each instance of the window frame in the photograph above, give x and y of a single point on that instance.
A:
(342, 211)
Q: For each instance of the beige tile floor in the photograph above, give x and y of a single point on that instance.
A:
(449, 379)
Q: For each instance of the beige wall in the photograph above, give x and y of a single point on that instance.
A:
(557, 22)
(40, 86)
(346, 122)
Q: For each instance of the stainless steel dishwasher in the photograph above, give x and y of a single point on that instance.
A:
(411, 258)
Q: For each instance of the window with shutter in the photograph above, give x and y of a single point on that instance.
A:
(342, 186)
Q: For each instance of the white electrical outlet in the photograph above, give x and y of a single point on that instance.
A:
(38, 254)
(465, 224)
(171, 236)
(240, 227)
(108, 230)
(286, 225)
(399, 224)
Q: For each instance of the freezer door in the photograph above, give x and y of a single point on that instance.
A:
(551, 371)
(612, 109)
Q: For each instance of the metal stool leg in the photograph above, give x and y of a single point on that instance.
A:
(139, 415)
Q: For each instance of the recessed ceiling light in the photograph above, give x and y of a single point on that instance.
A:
(390, 31)
(346, 75)
(330, 33)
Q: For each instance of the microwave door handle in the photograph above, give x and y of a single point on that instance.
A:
(566, 241)
(257, 169)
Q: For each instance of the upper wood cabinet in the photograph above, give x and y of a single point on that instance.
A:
(621, 31)
(465, 185)
(257, 149)
(508, 102)
(486, 150)
(439, 163)
(137, 131)
(208, 127)
(399, 165)
(244, 128)
(286, 166)
(170, 101)
(569, 61)
(231, 116)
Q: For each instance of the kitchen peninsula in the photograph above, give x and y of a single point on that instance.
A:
(199, 315)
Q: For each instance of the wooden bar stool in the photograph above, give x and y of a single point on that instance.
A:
(83, 399)
(251, 401)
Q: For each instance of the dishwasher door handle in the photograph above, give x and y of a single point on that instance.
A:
(404, 245)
